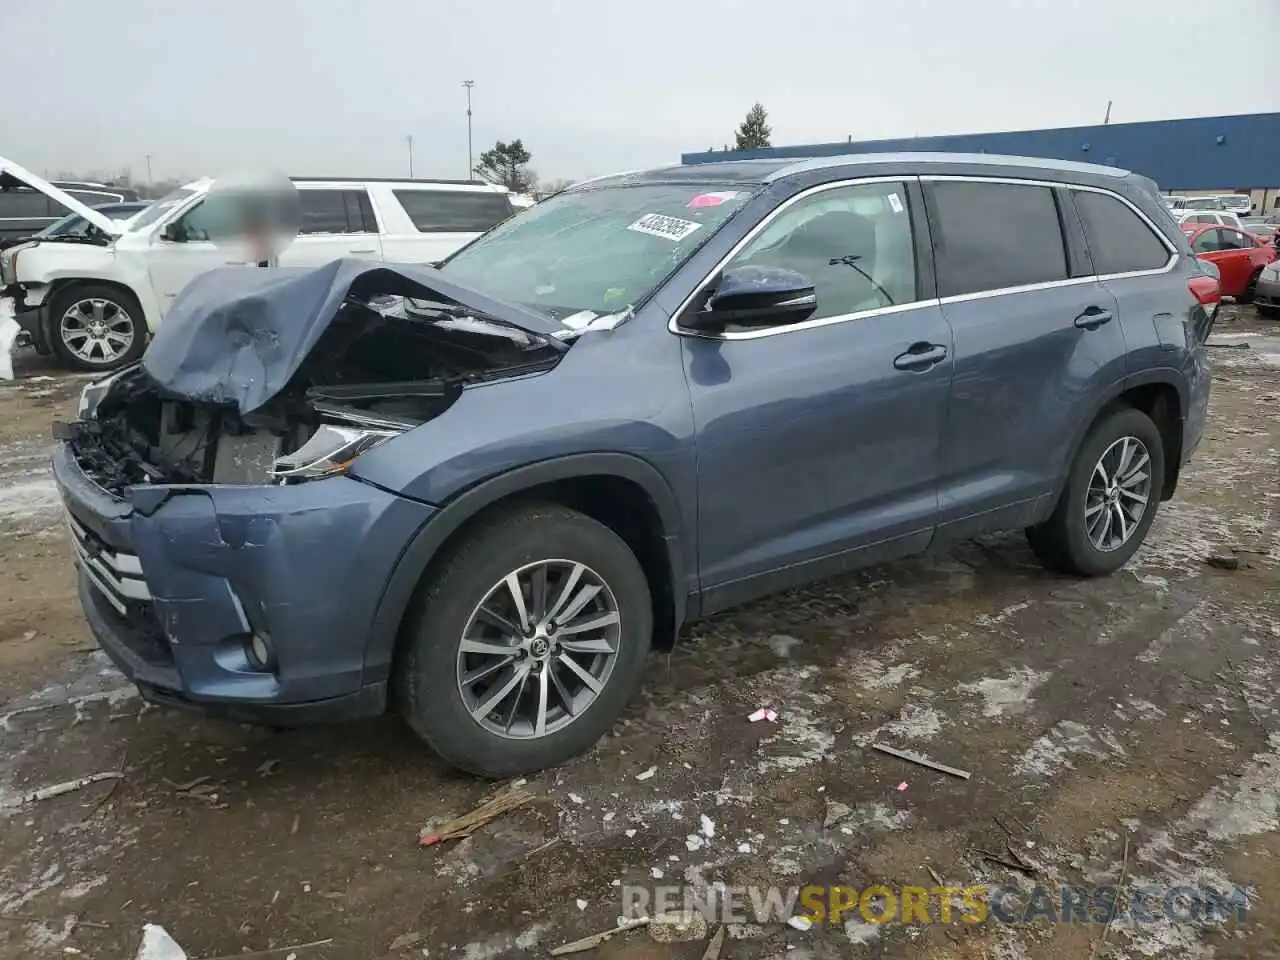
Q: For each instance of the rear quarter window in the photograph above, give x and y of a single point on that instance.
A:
(1119, 239)
(991, 236)
(454, 211)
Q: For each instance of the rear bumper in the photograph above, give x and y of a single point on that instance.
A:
(176, 581)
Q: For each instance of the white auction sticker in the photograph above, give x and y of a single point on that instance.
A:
(669, 228)
(895, 202)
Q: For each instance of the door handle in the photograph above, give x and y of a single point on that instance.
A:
(1093, 318)
(364, 250)
(921, 356)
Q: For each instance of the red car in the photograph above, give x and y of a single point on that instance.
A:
(1239, 256)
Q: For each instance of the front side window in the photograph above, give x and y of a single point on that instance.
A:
(454, 211)
(1235, 240)
(596, 249)
(991, 236)
(854, 243)
(1119, 240)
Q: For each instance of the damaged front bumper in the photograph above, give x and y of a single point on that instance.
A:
(178, 581)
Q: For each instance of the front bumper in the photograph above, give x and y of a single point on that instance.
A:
(175, 581)
(1267, 291)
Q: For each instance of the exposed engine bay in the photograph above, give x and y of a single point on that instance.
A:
(382, 365)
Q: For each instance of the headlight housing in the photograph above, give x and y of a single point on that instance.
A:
(329, 451)
(93, 393)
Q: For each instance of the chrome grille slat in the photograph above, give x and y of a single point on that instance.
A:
(118, 576)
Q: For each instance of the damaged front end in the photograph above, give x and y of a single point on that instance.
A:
(277, 377)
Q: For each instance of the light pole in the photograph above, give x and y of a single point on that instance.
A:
(149, 180)
(410, 139)
(470, 162)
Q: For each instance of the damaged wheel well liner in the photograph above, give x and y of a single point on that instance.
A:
(621, 491)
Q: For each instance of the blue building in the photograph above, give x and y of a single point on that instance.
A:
(1235, 154)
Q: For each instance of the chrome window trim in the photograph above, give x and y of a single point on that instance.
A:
(674, 327)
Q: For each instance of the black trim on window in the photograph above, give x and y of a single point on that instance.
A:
(1079, 260)
(926, 274)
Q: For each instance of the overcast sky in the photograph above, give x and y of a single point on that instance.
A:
(334, 87)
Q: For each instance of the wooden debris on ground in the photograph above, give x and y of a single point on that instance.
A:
(504, 801)
(921, 761)
(596, 939)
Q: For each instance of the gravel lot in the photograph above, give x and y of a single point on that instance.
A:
(1127, 725)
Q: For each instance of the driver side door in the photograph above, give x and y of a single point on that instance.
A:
(818, 442)
(173, 263)
(1229, 250)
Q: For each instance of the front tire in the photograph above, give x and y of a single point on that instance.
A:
(1110, 499)
(528, 640)
(96, 327)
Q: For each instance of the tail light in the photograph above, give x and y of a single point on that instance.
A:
(1206, 290)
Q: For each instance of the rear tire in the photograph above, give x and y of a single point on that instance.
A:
(96, 327)
(1083, 536)
(433, 681)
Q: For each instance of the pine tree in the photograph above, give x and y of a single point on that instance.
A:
(754, 132)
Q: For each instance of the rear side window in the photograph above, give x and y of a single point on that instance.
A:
(1119, 240)
(454, 211)
(335, 211)
(990, 236)
(23, 204)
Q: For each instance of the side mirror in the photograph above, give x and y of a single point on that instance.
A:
(757, 297)
(174, 233)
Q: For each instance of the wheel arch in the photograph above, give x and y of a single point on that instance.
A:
(623, 491)
(1161, 393)
(60, 285)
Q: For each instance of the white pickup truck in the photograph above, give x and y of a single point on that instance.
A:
(94, 300)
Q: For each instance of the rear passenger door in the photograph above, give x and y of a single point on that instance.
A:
(1036, 338)
(24, 212)
(1132, 259)
(434, 222)
(336, 222)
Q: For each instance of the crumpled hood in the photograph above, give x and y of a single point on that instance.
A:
(12, 172)
(237, 335)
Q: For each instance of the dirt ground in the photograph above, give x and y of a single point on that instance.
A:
(1125, 727)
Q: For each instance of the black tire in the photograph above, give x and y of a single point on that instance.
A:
(122, 309)
(1250, 287)
(1062, 542)
(425, 675)
(1272, 313)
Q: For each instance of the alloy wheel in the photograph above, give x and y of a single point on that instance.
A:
(97, 331)
(1118, 494)
(538, 649)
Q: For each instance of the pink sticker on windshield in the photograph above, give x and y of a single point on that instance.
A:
(712, 199)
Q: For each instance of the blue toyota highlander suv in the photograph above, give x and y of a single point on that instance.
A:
(480, 493)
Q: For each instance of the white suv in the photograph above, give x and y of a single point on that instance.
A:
(93, 304)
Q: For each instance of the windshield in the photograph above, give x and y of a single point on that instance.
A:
(72, 223)
(158, 209)
(598, 250)
(1204, 203)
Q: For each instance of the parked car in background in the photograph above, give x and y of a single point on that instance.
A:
(1239, 256)
(1194, 203)
(73, 225)
(1264, 227)
(1266, 293)
(478, 494)
(94, 306)
(1241, 204)
(1195, 218)
(25, 211)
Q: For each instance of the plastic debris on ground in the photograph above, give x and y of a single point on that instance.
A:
(647, 773)
(764, 713)
(158, 945)
(902, 786)
(800, 923)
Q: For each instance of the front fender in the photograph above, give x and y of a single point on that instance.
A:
(433, 535)
(49, 267)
